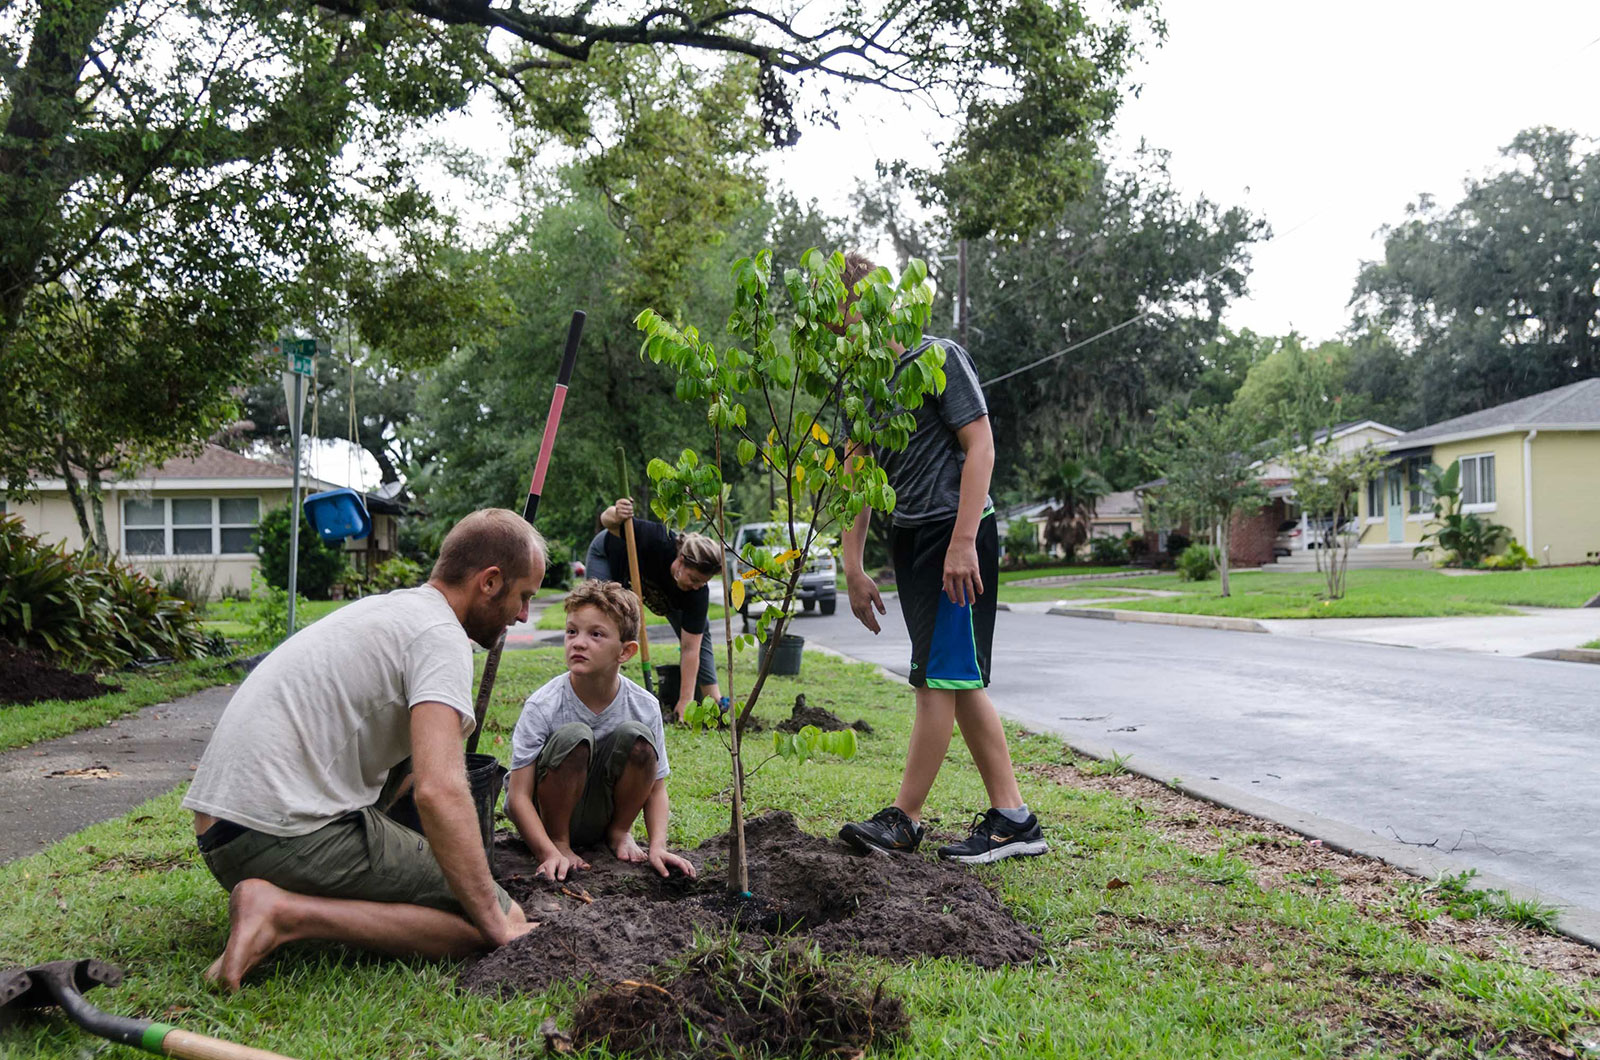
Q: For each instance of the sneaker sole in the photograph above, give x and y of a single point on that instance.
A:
(1010, 850)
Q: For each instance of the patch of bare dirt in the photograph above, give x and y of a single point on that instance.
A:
(826, 720)
(26, 676)
(1280, 858)
(617, 921)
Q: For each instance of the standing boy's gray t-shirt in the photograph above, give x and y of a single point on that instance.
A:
(314, 730)
(926, 478)
(556, 704)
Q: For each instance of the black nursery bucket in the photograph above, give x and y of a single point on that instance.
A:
(485, 775)
(786, 655)
(669, 679)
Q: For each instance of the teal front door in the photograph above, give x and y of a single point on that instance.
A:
(1397, 511)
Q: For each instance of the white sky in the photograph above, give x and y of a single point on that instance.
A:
(1325, 120)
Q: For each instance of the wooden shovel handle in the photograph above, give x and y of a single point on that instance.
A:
(633, 572)
(194, 1046)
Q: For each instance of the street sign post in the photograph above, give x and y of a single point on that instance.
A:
(301, 355)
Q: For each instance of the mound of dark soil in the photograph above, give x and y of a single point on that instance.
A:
(617, 921)
(26, 676)
(776, 999)
(826, 720)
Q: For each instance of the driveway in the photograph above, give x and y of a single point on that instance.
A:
(1486, 758)
(1535, 629)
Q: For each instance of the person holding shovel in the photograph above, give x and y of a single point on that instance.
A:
(946, 562)
(283, 796)
(675, 570)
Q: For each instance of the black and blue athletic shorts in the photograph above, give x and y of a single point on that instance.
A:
(950, 645)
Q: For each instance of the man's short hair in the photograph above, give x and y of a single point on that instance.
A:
(856, 266)
(489, 537)
(612, 600)
(701, 553)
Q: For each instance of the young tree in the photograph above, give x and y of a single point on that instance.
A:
(1326, 484)
(1208, 472)
(809, 403)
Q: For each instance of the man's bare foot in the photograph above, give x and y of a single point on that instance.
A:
(253, 933)
(626, 849)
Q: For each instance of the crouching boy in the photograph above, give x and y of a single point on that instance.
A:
(588, 754)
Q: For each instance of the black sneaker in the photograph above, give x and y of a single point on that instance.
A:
(995, 836)
(889, 832)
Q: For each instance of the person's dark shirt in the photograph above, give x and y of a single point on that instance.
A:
(658, 547)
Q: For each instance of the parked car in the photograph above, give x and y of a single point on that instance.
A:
(1316, 531)
(817, 589)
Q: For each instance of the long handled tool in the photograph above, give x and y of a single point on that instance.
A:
(530, 509)
(63, 983)
(633, 572)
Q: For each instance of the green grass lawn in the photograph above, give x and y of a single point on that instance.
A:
(1595, 644)
(22, 725)
(1160, 939)
(1371, 593)
(233, 618)
(1090, 591)
(1007, 576)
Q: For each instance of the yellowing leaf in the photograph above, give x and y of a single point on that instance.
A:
(799, 473)
(785, 557)
(829, 461)
(736, 594)
(819, 434)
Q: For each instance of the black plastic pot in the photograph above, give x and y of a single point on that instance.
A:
(669, 679)
(485, 775)
(786, 655)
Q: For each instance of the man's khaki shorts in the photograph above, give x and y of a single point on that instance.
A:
(361, 855)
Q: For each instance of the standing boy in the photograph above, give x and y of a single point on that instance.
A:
(588, 753)
(946, 562)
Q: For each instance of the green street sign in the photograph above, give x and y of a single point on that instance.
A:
(301, 354)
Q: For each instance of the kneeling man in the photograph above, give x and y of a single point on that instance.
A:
(283, 797)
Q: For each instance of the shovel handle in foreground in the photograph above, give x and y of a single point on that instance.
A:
(61, 984)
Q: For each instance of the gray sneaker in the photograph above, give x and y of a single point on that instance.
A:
(994, 837)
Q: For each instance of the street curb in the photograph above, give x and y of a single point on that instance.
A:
(1578, 655)
(1163, 618)
(1577, 922)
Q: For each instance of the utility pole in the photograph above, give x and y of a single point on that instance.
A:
(301, 357)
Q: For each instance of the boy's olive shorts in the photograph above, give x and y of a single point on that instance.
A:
(607, 759)
(363, 854)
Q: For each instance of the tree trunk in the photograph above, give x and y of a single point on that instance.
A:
(97, 508)
(1222, 551)
(75, 496)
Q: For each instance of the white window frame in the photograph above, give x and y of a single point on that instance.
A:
(1475, 462)
(1376, 486)
(216, 526)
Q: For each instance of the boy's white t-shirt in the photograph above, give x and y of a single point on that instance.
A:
(314, 730)
(556, 704)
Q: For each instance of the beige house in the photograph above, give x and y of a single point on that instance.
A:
(1531, 465)
(196, 512)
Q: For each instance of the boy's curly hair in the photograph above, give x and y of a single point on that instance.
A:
(615, 602)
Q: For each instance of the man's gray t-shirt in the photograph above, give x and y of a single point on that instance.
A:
(555, 704)
(314, 730)
(926, 477)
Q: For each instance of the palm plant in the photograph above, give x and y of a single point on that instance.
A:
(1076, 489)
(1466, 539)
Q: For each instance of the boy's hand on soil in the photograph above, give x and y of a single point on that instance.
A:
(962, 582)
(864, 597)
(558, 865)
(665, 862)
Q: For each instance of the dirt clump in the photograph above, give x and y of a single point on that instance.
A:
(824, 719)
(26, 676)
(777, 998)
(618, 921)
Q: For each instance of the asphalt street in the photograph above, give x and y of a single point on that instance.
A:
(1489, 759)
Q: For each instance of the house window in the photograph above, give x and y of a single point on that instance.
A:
(1418, 498)
(1477, 479)
(1375, 497)
(189, 526)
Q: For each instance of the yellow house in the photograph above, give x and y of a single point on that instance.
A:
(196, 513)
(1531, 465)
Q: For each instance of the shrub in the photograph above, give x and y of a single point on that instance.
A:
(1176, 543)
(188, 582)
(269, 624)
(396, 572)
(1021, 538)
(1197, 563)
(321, 565)
(558, 571)
(87, 612)
(1137, 546)
(1108, 551)
(1515, 557)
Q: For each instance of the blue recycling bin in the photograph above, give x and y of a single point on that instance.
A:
(338, 513)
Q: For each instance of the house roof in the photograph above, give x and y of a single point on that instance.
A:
(1574, 407)
(215, 462)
